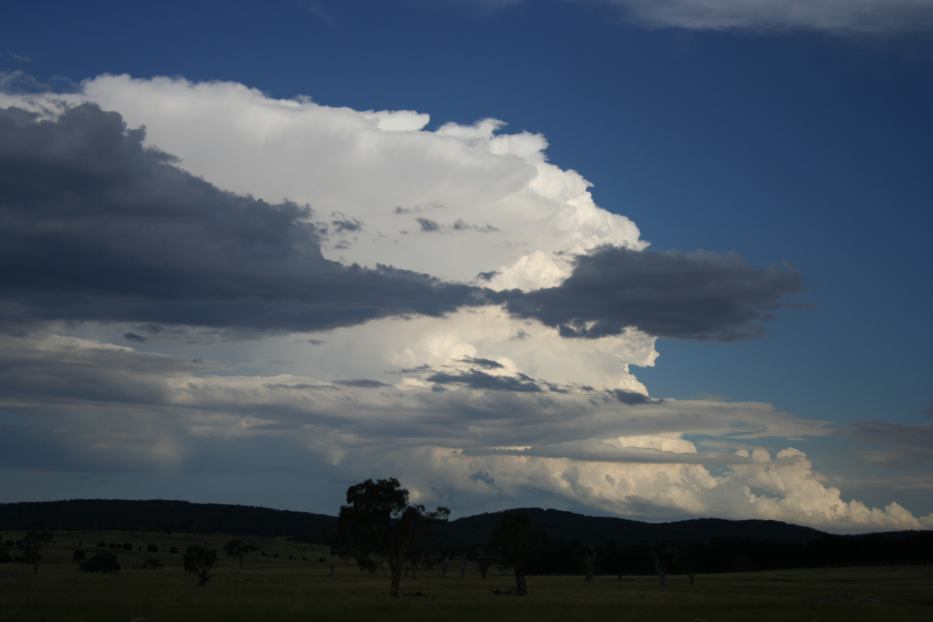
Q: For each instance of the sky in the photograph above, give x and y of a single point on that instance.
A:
(657, 259)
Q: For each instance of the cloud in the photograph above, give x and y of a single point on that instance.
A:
(833, 16)
(19, 82)
(477, 379)
(696, 295)
(97, 408)
(98, 227)
(892, 443)
(423, 370)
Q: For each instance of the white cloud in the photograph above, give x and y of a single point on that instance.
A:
(837, 16)
(383, 168)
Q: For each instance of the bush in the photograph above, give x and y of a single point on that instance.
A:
(78, 556)
(102, 544)
(151, 564)
(173, 550)
(152, 548)
(101, 562)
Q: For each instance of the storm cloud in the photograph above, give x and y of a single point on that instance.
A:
(695, 295)
(95, 226)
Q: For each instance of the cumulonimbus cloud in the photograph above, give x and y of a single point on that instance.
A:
(452, 382)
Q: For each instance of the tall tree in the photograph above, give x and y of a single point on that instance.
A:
(31, 546)
(238, 549)
(378, 524)
(516, 541)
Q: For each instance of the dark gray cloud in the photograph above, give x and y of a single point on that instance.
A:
(476, 379)
(94, 226)
(695, 295)
(362, 383)
(487, 363)
(346, 224)
(632, 398)
(427, 225)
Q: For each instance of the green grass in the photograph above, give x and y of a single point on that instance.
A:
(269, 588)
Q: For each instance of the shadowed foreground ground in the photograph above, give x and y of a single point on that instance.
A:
(271, 588)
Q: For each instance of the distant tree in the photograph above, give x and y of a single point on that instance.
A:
(379, 525)
(663, 557)
(484, 563)
(516, 541)
(199, 560)
(589, 564)
(31, 547)
(4, 553)
(238, 549)
(101, 562)
(688, 559)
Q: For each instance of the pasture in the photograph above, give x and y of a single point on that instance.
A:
(275, 587)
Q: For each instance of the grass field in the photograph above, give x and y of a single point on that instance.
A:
(270, 588)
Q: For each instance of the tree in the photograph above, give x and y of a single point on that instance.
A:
(663, 557)
(199, 560)
(31, 547)
(484, 563)
(515, 541)
(378, 525)
(238, 549)
(589, 564)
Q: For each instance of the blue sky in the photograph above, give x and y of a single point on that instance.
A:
(802, 144)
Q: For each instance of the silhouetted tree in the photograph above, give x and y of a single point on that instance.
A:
(484, 563)
(515, 541)
(199, 560)
(238, 549)
(379, 523)
(4, 553)
(688, 560)
(31, 547)
(589, 564)
(663, 557)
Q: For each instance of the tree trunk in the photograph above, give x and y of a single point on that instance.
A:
(395, 582)
(520, 588)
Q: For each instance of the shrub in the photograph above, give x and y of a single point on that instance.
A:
(152, 548)
(78, 556)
